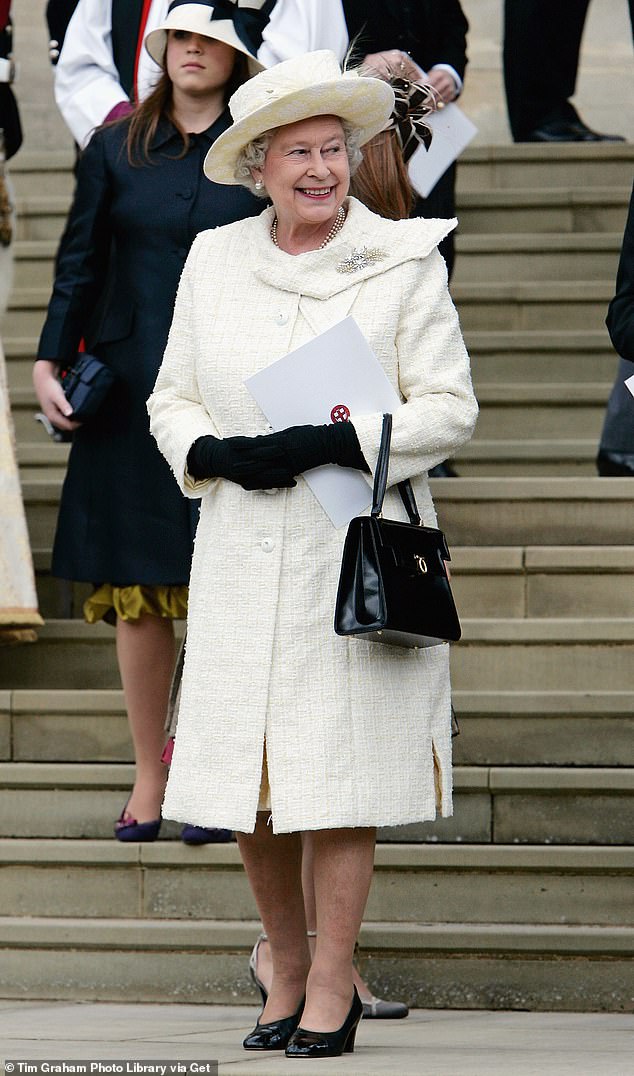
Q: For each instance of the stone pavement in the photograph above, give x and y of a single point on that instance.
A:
(438, 1042)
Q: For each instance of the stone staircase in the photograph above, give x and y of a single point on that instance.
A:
(524, 898)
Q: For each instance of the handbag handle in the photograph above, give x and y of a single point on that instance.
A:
(380, 478)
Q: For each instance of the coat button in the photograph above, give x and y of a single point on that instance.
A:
(281, 318)
(267, 545)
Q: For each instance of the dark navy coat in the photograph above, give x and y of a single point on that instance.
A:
(122, 518)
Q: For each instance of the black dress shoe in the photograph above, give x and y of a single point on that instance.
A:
(306, 1043)
(615, 464)
(569, 131)
(273, 1036)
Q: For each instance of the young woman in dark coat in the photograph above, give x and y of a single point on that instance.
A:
(141, 198)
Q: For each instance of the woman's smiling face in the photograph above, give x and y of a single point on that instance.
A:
(306, 171)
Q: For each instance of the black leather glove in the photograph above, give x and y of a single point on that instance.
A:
(311, 446)
(251, 462)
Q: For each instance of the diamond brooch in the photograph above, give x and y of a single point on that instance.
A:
(360, 258)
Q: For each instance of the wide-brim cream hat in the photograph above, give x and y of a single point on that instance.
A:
(306, 86)
(199, 19)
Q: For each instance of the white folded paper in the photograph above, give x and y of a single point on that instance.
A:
(334, 376)
(452, 133)
(629, 384)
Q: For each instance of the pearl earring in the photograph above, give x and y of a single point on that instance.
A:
(258, 184)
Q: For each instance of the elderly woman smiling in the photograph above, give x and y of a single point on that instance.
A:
(285, 727)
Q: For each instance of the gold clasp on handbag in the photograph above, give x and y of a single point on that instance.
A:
(421, 563)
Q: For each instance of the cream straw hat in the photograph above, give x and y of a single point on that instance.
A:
(308, 85)
(204, 19)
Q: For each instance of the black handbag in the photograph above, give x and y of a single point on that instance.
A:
(86, 384)
(393, 586)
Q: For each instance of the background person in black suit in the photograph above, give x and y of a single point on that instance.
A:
(542, 40)
(9, 115)
(616, 450)
(434, 34)
(58, 16)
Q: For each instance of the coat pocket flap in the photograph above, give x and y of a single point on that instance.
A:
(116, 324)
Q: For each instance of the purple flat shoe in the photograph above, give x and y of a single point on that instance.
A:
(126, 828)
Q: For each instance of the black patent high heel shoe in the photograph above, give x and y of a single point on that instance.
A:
(306, 1043)
(276, 1034)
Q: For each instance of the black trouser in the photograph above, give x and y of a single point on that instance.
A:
(542, 39)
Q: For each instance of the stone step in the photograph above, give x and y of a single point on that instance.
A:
(535, 511)
(536, 257)
(472, 511)
(507, 305)
(506, 459)
(32, 173)
(43, 216)
(564, 357)
(524, 412)
(600, 209)
(501, 805)
(58, 598)
(506, 728)
(537, 581)
(545, 459)
(33, 269)
(42, 460)
(512, 412)
(509, 258)
(544, 728)
(556, 210)
(511, 306)
(543, 581)
(412, 882)
(496, 654)
(550, 967)
(569, 165)
(503, 357)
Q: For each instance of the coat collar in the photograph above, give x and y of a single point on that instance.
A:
(166, 132)
(366, 246)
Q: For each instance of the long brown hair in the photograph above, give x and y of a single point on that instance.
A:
(381, 182)
(145, 118)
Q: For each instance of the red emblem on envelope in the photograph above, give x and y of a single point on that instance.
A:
(340, 413)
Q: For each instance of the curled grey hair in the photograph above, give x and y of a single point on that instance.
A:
(254, 154)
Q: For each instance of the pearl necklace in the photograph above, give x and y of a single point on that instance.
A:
(340, 220)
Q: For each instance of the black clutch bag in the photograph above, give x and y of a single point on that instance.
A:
(86, 384)
(393, 586)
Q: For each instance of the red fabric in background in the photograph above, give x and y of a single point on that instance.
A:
(139, 45)
(5, 7)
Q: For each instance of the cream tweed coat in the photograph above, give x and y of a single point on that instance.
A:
(356, 733)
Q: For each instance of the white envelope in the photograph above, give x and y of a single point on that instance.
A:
(452, 133)
(336, 370)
